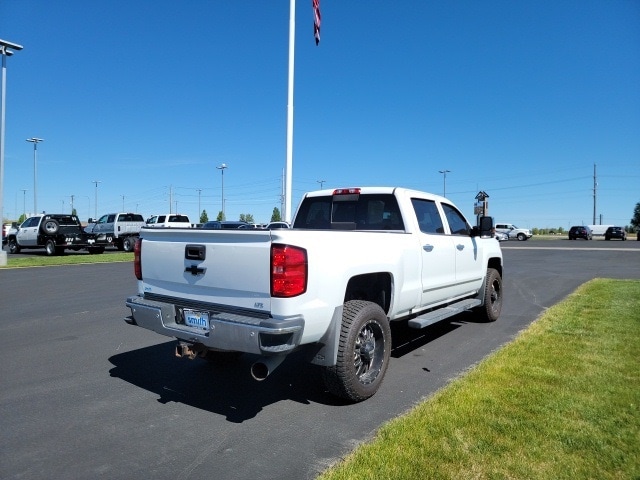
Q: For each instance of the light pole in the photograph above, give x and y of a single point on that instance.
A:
(321, 182)
(96, 207)
(221, 168)
(35, 142)
(24, 201)
(444, 181)
(199, 211)
(6, 50)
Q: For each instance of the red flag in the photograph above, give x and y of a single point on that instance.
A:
(316, 20)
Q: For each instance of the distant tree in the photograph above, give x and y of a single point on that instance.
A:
(275, 216)
(246, 217)
(204, 217)
(560, 230)
(635, 221)
(22, 218)
(220, 216)
(74, 212)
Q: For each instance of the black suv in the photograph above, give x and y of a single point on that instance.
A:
(580, 232)
(615, 232)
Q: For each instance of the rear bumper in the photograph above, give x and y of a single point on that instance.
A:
(228, 330)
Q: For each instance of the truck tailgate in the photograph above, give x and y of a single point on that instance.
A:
(228, 267)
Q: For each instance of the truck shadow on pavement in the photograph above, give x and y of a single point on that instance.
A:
(228, 388)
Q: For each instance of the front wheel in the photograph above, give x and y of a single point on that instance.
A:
(13, 246)
(522, 237)
(490, 310)
(363, 352)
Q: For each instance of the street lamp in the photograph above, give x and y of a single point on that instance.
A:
(6, 50)
(35, 142)
(24, 208)
(199, 211)
(96, 182)
(444, 181)
(221, 168)
(321, 182)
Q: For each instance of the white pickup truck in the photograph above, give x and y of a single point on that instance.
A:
(354, 260)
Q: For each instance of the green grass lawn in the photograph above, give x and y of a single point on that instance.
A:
(562, 401)
(67, 259)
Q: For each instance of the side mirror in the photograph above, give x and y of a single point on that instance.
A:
(484, 228)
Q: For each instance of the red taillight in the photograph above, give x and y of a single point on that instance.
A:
(137, 264)
(288, 271)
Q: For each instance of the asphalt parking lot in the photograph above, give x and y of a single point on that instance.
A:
(86, 396)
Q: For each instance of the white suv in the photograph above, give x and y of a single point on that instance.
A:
(514, 232)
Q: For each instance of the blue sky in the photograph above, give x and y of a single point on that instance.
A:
(518, 99)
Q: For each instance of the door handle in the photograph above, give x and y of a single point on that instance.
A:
(460, 247)
(427, 248)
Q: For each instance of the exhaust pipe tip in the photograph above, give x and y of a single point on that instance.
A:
(264, 366)
(259, 371)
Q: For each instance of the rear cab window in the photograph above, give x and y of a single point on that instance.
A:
(350, 212)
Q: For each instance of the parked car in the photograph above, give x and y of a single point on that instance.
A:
(225, 225)
(580, 231)
(615, 232)
(274, 225)
(513, 231)
(5, 231)
(501, 236)
(173, 220)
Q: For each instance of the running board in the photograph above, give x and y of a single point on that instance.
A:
(444, 312)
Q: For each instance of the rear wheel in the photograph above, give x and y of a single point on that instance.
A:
(363, 352)
(50, 247)
(128, 244)
(490, 311)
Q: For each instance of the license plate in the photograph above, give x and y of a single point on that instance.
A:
(196, 319)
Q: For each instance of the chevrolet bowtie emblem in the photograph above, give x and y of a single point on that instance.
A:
(195, 270)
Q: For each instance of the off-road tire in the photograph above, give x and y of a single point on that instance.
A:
(364, 348)
(490, 311)
(50, 226)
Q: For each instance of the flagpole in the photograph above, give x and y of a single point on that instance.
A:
(289, 168)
